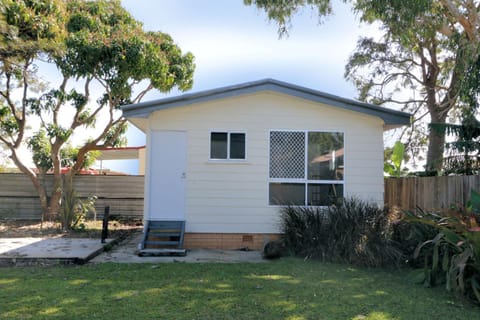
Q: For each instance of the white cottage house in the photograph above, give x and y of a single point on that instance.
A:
(223, 161)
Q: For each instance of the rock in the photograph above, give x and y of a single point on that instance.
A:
(274, 249)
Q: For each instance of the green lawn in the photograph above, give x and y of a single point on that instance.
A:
(285, 289)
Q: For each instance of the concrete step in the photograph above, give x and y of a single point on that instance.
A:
(162, 252)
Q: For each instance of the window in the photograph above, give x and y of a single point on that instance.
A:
(306, 168)
(227, 145)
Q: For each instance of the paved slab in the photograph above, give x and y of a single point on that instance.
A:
(75, 249)
(126, 252)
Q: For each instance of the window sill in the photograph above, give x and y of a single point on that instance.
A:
(223, 161)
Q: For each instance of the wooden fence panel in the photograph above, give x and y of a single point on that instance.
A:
(429, 193)
(124, 195)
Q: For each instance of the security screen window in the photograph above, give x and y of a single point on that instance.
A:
(227, 146)
(306, 168)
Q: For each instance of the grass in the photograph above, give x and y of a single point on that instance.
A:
(285, 289)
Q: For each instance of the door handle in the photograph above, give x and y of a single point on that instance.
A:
(183, 176)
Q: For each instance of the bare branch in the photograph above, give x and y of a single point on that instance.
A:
(93, 144)
(6, 142)
(142, 94)
(76, 122)
(403, 102)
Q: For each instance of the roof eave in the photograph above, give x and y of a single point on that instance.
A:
(144, 109)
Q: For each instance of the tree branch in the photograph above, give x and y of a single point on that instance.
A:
(77, 122)
(470, 30)
(142, 94)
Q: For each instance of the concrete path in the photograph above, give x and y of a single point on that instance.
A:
(75, 250)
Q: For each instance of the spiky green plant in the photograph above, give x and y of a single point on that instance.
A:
(74, 209)
(452, 257)
(355, 232)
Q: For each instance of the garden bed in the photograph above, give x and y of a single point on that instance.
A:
(90, 229)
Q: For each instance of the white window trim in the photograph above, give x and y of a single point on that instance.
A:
(228, 159)
(304, 181)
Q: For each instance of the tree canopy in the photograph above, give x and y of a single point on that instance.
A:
(104, 59)
(425, 60)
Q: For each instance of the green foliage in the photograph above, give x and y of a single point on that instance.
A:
(467, 143)
(74, 209)
(401, 16)
(101, 52)
(69, 154)
(41, 150)
(115, 135)
(29, 28)
(426, 62)
(282, 11)
(355, 232)
(8, 124)
(105, 41)
(452, 257)
(393, 166)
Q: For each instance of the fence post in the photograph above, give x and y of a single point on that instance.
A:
(106, 215)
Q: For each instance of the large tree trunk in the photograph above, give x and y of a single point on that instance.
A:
(56, 193)
(54, 201)
(436, 147)
(49, 205)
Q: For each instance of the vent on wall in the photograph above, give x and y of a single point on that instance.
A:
(247, 238)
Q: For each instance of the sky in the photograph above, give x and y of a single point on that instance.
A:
(233, 43)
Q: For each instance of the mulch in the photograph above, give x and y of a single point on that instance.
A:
(33, 229)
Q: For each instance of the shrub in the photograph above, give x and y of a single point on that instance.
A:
(356, 232)
(408, 234)
(74, 209)
(452, 256)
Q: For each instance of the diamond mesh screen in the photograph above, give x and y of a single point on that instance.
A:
(287, 154)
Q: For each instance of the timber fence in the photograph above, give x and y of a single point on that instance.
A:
(429, 193)
(124, 194)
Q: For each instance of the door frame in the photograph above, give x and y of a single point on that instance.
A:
(153, 160)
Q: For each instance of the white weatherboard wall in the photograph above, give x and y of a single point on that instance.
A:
(232, 197)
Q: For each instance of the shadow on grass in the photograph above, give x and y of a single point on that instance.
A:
(285, 289)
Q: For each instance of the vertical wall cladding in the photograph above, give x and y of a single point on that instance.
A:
(232, 196)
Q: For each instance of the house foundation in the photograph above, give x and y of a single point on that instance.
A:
(228, 241)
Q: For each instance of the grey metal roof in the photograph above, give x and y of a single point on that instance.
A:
(144, 109)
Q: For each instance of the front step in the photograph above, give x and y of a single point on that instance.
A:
(162, 252)
(162, 238)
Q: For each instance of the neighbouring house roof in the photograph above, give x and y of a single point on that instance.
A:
(122, 153)
(392, 118)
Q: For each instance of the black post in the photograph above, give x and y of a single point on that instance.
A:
(105, 223)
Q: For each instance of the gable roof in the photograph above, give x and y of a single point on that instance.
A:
(392, 118)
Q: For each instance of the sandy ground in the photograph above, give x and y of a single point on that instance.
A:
(126, 251)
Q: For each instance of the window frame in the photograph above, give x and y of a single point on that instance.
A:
(305, 181)
(228, 158)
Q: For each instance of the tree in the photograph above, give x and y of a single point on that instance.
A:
(422, 61)
(394, 158)
(465, 148)
(96, 47)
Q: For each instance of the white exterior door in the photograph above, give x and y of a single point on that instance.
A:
(167, 175)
